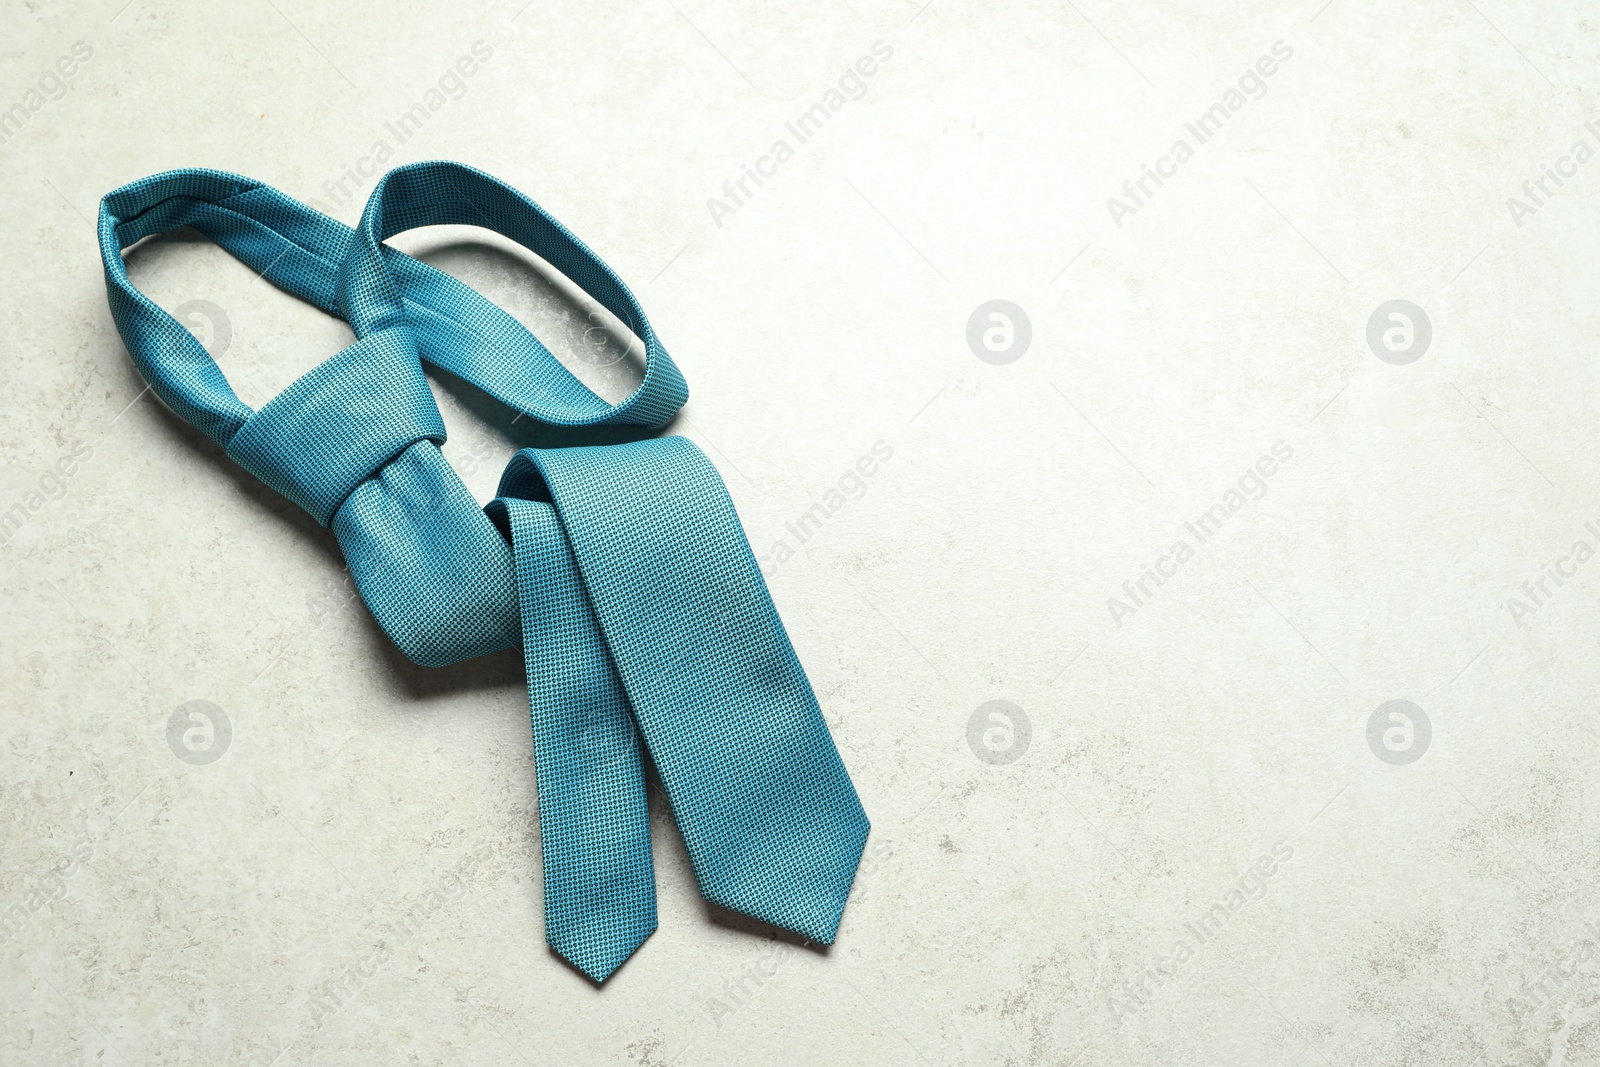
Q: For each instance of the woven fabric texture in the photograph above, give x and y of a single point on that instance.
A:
(622, 570)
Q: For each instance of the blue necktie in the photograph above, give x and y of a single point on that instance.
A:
(622, 570)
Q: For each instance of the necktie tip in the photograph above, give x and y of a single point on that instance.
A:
(599, 961)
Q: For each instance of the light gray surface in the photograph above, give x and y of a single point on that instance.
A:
(1440, 911)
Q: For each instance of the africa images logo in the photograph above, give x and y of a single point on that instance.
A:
(1204, 929)
(1251, 486)
(852, 85)
(1252, 85)
(53, 84)
(1564, 169)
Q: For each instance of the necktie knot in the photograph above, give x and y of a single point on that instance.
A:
(341, 423)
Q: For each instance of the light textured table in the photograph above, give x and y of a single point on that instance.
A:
(1197, 832)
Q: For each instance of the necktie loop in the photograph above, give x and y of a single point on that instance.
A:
(172, 360)
(355, 440)
(378, 288)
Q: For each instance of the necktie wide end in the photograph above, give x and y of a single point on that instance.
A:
(806, 894)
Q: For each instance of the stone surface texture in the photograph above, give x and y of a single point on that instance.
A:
(1222, 508)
